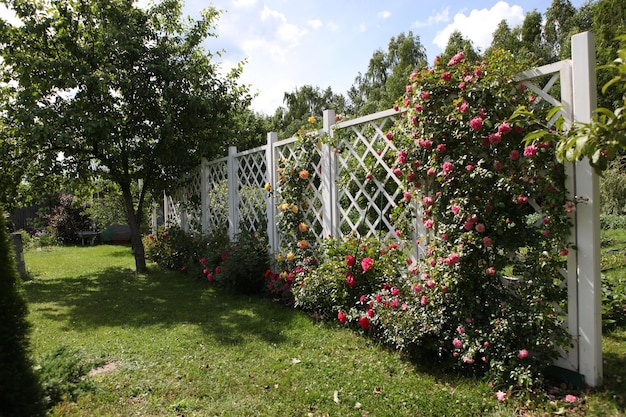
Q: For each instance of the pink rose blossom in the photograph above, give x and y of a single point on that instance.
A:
(469, 167)
(491, 271)
(487, 242)
(453, 258)
(514, 155)
(476, 123)
(530, 151)
(571, 398)
(463, 107)
(455, 209)
(494, 138)
(430, 284)
(424, 301)
(460, 329)
(429, 223)
(407, 196)
(457, 343)
(522, 354)
(448, 167)
(364, 322)
(428, 201)
(389, 135)
(425, 95)
(402, 157)
(441, 148)
(350, 279)
(501, 396)
(504, 128)
(431, 172)
(417, 288)
(367, 264)
(457, 58)
(446, 76)
(350, 260)
(480, 228)
(341, 317)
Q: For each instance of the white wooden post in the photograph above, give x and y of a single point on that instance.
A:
(587, 218)
(166, 210)
(204, 196)
(328, 180)
(270, 163)
(233, 193)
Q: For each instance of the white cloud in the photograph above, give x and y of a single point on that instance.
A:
(480, 24)
(332, 26)
(362, 27)
(385, 14)
(439, 17)
(315, 23)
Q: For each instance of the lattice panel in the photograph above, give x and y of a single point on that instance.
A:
(252, 174)
(367, 188)
(216, 177)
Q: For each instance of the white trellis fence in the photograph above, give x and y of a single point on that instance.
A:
(228, 193)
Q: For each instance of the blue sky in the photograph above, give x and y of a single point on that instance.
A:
(291, 43)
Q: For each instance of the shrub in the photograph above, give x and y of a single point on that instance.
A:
(66, 220)
(20, 392)
(350, 269)
(173, 248)
(485, 298)
(612, 221)
(241, 266)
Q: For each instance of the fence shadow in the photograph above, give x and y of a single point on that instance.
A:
(117, 297)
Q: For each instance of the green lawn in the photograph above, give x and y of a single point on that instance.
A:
(178, 346)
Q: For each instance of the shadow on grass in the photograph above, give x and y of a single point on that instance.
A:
(614, 383)
(117, 297)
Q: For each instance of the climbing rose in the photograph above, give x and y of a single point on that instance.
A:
(350, 260)
(304, 174)
(364, 322)
(522, 354)
(446, 76)
(457, 343)
(367, 264)
(514, 155)
(448, 167)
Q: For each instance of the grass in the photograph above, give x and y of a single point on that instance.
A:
(177, 346)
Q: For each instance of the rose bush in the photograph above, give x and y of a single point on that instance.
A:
(497, 216)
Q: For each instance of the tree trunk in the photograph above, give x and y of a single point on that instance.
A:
(135, 231)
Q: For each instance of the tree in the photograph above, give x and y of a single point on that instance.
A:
(20, 392)
(503, 38)
(301, 104)
(558, 27)
(387, 75)
(105, 88)
(456, 44)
